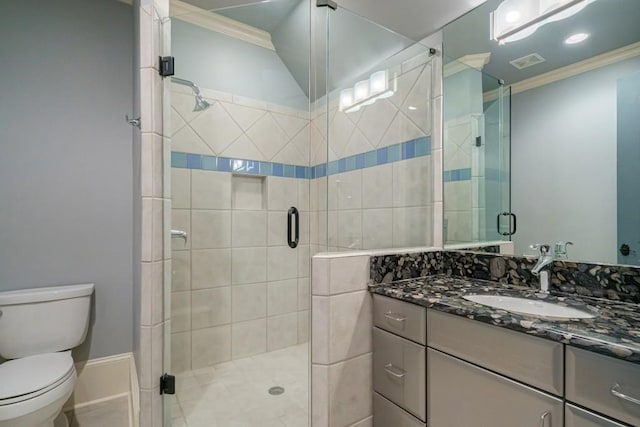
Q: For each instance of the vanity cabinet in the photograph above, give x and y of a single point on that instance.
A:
(462, 394)
(576, 417)
(604, 384)
(443, 370)
(531, 360)
(399, 363)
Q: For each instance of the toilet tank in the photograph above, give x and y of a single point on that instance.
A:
(43, 320)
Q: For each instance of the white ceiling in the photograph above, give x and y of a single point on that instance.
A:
(414, 19)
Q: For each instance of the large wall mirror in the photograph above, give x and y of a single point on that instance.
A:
(568, 92)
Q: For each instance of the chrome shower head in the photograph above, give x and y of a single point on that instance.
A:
(201, 103)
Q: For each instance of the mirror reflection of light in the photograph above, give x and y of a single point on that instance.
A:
(512, 16)
(521, 17)
(576, 38)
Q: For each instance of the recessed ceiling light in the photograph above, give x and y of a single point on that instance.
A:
(412, 108)
(576, 38)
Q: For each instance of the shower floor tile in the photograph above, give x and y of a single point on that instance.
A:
(236, 394)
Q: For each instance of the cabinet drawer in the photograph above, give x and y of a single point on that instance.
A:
(399, 371)
(532, 360)
(401, 318)
(576, 417)
(386, 414)
(464, 395)
(594, 380)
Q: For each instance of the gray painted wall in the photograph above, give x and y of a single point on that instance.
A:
(66, 158)
(564, 163)
(214, 61)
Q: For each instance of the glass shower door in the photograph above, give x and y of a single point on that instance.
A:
(477, 203)
(378, 170)
(238, 118)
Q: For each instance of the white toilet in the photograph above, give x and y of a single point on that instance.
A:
(38, 329)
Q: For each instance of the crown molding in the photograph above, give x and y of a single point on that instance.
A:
(595, 62)
(477, 61)
(220, 24)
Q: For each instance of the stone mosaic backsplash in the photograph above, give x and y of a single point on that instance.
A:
(614, 282)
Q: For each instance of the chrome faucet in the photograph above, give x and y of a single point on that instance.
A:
(546, 258)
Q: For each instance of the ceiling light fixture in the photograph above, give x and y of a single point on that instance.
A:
(366, 92)
(576, 38)
(516, 19)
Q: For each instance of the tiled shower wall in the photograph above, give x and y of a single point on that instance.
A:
(238, 289)
(379, 194)
(464, 180)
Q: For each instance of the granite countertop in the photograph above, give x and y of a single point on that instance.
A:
(615, 331)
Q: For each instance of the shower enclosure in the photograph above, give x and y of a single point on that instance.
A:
(285, 142)
(476, 161)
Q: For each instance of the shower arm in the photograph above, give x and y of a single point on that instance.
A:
(192, 85)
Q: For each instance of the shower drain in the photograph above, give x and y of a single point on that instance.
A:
(277, 390)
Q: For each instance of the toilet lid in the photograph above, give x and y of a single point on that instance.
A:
(30, 374)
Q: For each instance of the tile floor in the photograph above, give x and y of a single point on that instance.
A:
(112, 413)
(235, 394)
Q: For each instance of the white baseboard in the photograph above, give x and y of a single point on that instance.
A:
(103, 379)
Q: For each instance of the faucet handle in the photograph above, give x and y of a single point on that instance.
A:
(560, 249)
(542, 247)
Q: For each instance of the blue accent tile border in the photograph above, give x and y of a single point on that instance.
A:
(457, 175)
(403, 151)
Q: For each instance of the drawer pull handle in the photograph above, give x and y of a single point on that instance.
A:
(396, 372)
(615, 390)
(543, 417)
(394, 316)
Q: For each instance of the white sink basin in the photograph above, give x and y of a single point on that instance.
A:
(529, 306)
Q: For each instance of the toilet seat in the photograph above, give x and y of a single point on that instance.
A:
(32, 376)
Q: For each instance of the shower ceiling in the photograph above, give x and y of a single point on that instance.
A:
(414, 19)
(287, 22)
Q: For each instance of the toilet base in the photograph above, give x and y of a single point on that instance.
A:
(61, 421)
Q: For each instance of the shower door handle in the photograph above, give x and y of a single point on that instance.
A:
(293, 239)
(513, 220)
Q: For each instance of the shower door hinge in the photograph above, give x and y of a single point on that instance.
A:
(167, 384)
(327, 3)
(167, 66)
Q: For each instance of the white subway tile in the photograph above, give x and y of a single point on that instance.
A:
(377, 228)
(210, 229)
(348, 274)
(377, 186)
(181, 221)
(320, 276)
(210, 346)
(249, 228)
(350, 325)
(249, 302)
(180, 311)
(181, 188)
(210, 307)
(303, 326)
(249, 265)
(282, 297)
(210, 268)
(281, 263)
(210, 190)
(158, 230)
(320, 325)
(249, 338)
(282, 331)
(412, 185)
(350, 388)
(180, 352)
(282, 193)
